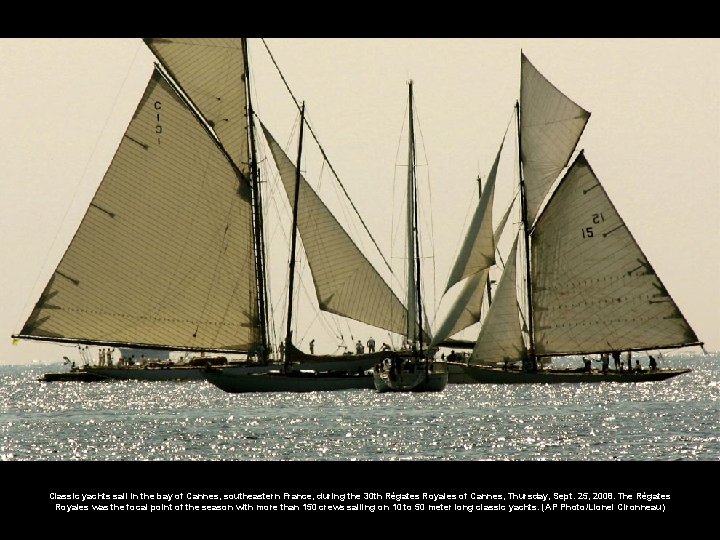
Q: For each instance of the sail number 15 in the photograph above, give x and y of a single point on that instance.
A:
(587, 232)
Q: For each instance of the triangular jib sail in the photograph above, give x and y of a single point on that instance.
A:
(500, 336)
(164, 255)
(593, 288)
(345, 282)
(466, 309)
(478, 250)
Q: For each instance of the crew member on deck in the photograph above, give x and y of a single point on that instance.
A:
(653, 362)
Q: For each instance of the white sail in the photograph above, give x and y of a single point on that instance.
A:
(500, 336)
(212, 73)
(164, 255)
(478, 249)
(593, 288)
(550, 127)
(345, 282)
(466, 309)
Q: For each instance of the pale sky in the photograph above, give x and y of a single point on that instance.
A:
(653, 139)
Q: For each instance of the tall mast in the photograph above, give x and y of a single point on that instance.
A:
(411, 220)
(257, 216)
(526, 232)
(414, 300)
(487, 283)
(288, 333)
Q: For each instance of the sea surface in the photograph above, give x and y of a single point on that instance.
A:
(673, 420)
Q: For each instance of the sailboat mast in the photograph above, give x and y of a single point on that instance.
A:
(257, 216)
(487, 283)
(413, 288)
(291, 280)
(526, 232)
(411, 220)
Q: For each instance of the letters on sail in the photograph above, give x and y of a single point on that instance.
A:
(345, 282)
(211, 71)
(593, 288)
(164, 254)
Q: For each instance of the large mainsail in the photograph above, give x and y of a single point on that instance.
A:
(164, 255)
(211, 71)
(550, 127)
(593, 288)
(345, 282)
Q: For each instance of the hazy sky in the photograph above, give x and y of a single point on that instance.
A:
(653, 139)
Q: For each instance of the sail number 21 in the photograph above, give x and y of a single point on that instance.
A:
(587, 232)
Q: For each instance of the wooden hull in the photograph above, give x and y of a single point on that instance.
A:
(415, 380)
(231, 380)
(138, 373)
(353, 363)
(458, 375)
(347, 364)
(497, 375)
(72, 376)
(172, 373)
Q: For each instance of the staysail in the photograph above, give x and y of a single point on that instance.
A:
(478, 249)
(466, 309)
(593, 288)
(163, 257)
(500, 336)
(550, 127)
(345, 282)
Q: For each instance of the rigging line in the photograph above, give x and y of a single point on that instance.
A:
(280, 303)
(435, 303)
(80, 179)
(395, 222)
(311, 297)
(327, 160)
(473, 205)
(307, 331)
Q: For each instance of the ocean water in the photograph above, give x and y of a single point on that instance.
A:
(673, 420)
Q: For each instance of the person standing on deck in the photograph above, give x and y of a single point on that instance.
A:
(653, 363)
(371, 345)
